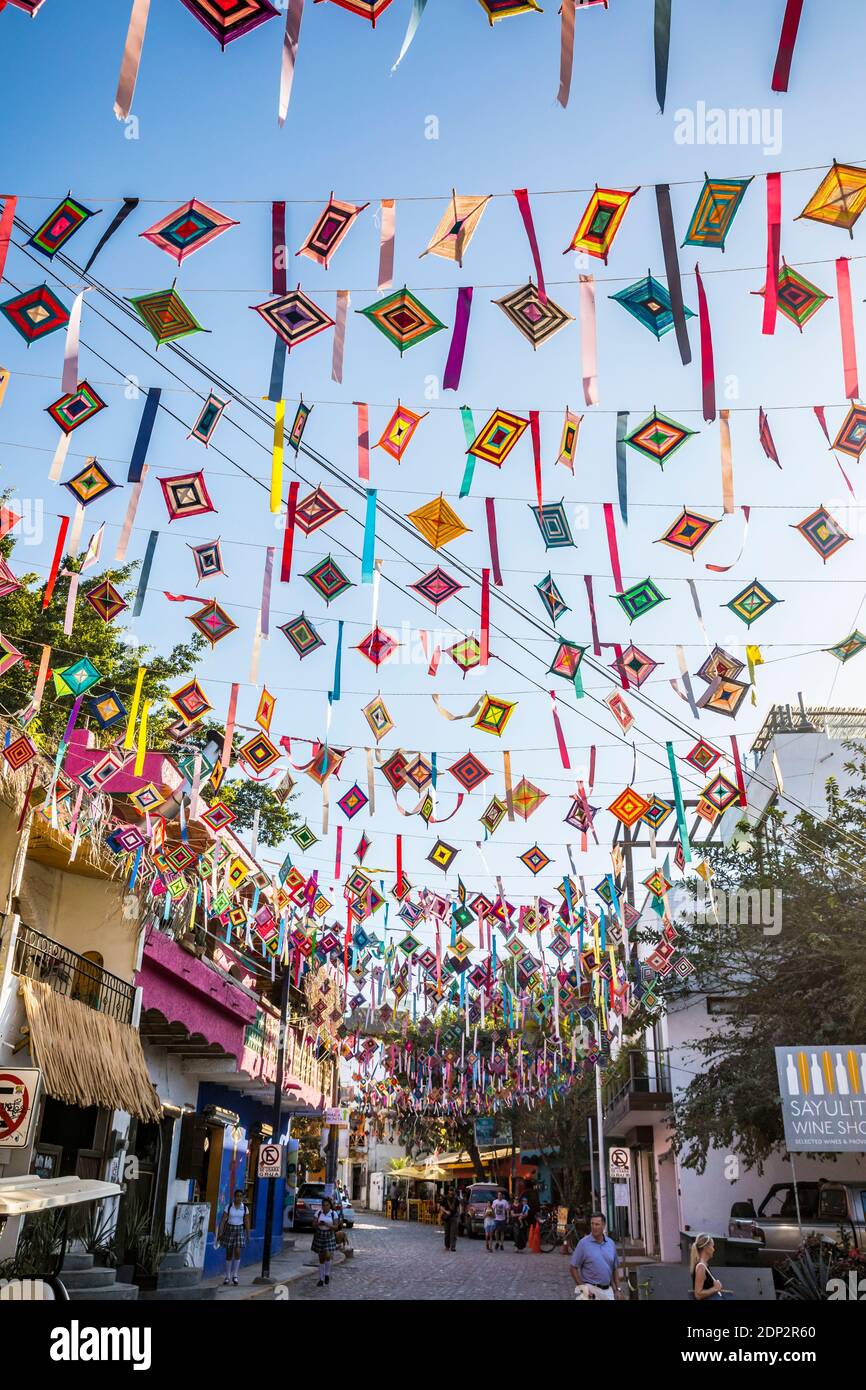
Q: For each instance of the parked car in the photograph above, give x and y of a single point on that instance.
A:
(308, 1204)
(477, 1197)
(826, 1208)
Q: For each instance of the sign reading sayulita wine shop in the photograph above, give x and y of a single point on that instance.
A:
(823, 1093)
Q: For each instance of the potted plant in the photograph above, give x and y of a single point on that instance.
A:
(94, 1232)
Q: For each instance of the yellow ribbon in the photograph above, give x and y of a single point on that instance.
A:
(142, 739)
(133, 710)
(277, 460)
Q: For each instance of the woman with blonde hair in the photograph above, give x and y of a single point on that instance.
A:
(704, 1285)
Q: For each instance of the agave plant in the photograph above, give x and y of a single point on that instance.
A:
(806, 1273)
(94, 1230)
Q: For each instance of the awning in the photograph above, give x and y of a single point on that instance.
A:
(19, 1196)
(87, 1057)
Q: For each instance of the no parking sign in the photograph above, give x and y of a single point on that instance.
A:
(18, 1093)
(271, 1157)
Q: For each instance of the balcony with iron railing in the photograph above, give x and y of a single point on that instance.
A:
(643, 1096)
(38, 957)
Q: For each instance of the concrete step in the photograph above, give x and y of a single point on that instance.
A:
(109, 1293)
(94, 1278)
(178, 1278)
(77, 1259)
(191, 1293)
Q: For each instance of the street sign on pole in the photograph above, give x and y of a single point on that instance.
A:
(619, 1161)
(19, 1089)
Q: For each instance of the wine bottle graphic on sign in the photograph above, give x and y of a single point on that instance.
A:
(841, 1076)
(791, 1078)
(817, 1079)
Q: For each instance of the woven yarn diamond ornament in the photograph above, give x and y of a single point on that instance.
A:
(494, 815)
(218, 816)
(302, 635)
(315, 510)
(656, 813)
(535, 859)
(552, 521)
(35, 313)
(469, 772)
(689, 531)
(107, 710)
(228, 20)
(208, 418)
(724, 696)
(8, 582)
(186, 230)
(494, 715)
(658, 437)
(567, 661)
(537, 319)
(81, 675)
(506, 9)
(702, 756)
(259, 752)
(165, 315)
(798, 299)
(456, 227)
(208, 560)
(851, 438)
(850, 647)
(365, 9)
(649, 302)
(720, 663)
(715, 210)
(90, 483)
(629, 806)
(9, 655)
(823, 532)
(442, 855)
(328, 231)
(527, 798)
(436, 587)
(437, 522)
(294, 317)
(399, 430)
(752, 602)
(466, 653)
(378, 646)
(581, 815)
(328, 579)
(186, 495)
(555, 605)
(634, 665)
(352, 802)
(378, 718)
(600, 222)
(839, 198)
(640, 599)
(720, 792)
(76, 407)
(106, 600)
(498, 437)
(67, 218)
(212, 621)
(304, 837)
(403, 319)
(190, 701)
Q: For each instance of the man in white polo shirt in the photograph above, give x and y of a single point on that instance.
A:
(593, 1263)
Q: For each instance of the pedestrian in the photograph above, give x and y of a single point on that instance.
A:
(594, 1263)
(232, 1234)
(450, 1207)
(489, 1225)
(394, 1199)
(519, 1220)
(325, 1239)
(704, 1287)
(500, 1212)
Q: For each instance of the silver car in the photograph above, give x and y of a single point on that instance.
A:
(825, 1209)
(308, 1204)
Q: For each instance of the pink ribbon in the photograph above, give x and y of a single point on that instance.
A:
(490, 507)
(708, 375)
(846, 326)
(131, 58)
(363, 441)
(588, 340)
(787, 40)
(522, 197)
(386, 243)
(613, 549)
(343, 301)
(774, 246)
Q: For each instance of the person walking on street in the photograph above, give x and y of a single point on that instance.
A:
(489, 1226)
(705, 1287)
(519, 1220)
(232, 1235)
(500, 1212)
(594, 1263)
(451, 1206)
(394, 1201)
(325, 1239)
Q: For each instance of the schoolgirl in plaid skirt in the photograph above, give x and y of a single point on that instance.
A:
(325, 1240)
(232, 1236)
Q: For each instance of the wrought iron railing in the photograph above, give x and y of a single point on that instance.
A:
(37, 957)
(648, 1075)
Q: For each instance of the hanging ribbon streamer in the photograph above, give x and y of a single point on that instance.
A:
(226, 756)
(822, 421)
(126, 528)
(535, 431)
(612, 547)
(133, 709)
(696, 603)
(723, 569)
(787, 40)
(344, 299)
(74, 542)
(560, 737)
(450, 715)
(279, 250)
(363, 441)
(276, 386)
(129, 205)
(672, 270)
(588, 340)
(765, 438)
(774, 249)
(338, 854)
(73, 718)
(142, 742)
(661, 48)
(727, 462)
(131, 59)
(291, 39)
(5, 377)
(708, 370)
(454, 364)
(493, 539)
(145, 574)
(753, 659)
(369, 553)
(411, 30)
(738, 771)
(7, 221)
(371, 785)
(678, 802)
(469, 435)
(846, 327)
(590, 598)
(59, 458)
(142, 439)
(388, 216)
(55, 562)
(621, 464)
(289, 533)
(522, 197)
(41, 677)
(509, 784)
(399, 848)
(334, 692)
(484, 644)
(69, 377)
(687, 681)
(267, 580)
(566, 52)
(277, 458)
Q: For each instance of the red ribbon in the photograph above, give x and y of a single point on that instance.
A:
(846, 327)
(399, 839)
(535, 431)
(560, 738)
(278, 247)
(522, 197)
(774, 246)
(6, 223)
(485, 618)
(787, 40)
(490, 508)
(613, 551)
(765, 435)
(708, 372)
(289, 534)
(596, 644)
(55, 563)
(738, 768)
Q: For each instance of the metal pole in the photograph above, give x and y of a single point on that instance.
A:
(333, 1137)
(602, 1175)
(275, 1122)
(796, 1197)
(592, 1187)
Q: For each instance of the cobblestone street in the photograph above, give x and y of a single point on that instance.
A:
(398, 1260)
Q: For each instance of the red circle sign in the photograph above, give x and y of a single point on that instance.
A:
(8, 1124)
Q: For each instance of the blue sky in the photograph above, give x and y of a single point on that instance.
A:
(206, 126)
